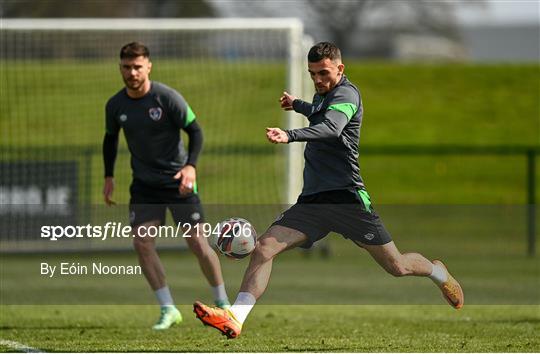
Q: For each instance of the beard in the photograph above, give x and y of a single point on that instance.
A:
(133, 84)
(321, 90)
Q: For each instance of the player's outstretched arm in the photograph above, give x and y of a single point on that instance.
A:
(330, 128)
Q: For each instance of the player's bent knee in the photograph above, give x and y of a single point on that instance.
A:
(264, 250)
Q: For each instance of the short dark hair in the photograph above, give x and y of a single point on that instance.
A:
(322, 51)
(133, 50)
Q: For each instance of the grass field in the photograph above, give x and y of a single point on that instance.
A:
(235, 100)
(281, 329)
(492, 274)
(345, 303)
(467, 210)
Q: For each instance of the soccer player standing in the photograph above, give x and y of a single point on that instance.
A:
(164, 174)
(333, 198)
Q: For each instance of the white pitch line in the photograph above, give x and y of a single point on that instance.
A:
(19, 347)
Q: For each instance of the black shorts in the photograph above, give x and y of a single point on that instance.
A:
(347, 212)
(149, 203)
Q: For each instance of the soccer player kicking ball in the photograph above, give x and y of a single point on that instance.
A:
(333, 198)
(164, 176)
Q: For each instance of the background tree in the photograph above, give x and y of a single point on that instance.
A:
(105, 8)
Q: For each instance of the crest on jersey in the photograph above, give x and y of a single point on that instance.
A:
(123, 117)
(155, 113)
(319, 106)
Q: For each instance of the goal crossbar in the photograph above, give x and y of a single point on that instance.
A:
(146, 24)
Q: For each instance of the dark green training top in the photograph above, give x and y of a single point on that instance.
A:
(151, 127)
(332, 137)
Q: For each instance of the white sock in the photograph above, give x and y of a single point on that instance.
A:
(219, 292)
(242, 306)
(164, 297)
(438, 274)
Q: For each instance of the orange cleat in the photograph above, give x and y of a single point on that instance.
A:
(451, 289)
(222, 320)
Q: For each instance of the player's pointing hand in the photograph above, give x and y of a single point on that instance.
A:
(276, 136)
(286, 101)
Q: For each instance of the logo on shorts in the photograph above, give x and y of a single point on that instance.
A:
(280, 216)
(123, 117)
(132, 216)
(155, 113)
(195, 216)
(369, 236)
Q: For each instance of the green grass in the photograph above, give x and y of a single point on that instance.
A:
(483, 248)
(280, 329)
(345, 303)
(449, 104)
(61, 104)
(466, 210)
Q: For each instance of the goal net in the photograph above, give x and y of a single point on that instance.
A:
(57, 75)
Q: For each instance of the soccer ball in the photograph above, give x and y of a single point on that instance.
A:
(236, 238)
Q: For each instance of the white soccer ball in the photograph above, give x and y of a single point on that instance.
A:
(236, 238)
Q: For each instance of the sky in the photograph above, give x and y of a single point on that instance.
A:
(501, 12)
(468, 11)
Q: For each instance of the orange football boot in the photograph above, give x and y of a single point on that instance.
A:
(221, 319)
(451, 289)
